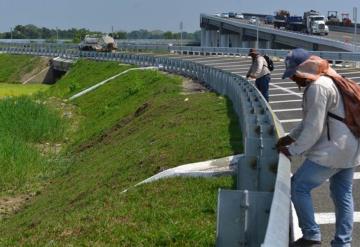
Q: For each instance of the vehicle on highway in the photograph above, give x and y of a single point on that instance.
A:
(332, 19)
(280, 18)
(314, 23)
(224, 15)
(232, 14)
(269, 19)
(239, 16)
(218, 14)
(294, 23)
(104, 43)
(252, 20)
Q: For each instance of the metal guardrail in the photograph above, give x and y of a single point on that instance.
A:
(71, 50)
(196, 50)
(250, 215)
(288, 34)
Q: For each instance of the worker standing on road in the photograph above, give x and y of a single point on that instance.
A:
(259, 70)
(330, 148)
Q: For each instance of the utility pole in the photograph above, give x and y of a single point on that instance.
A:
(257, 33)
(57, 35)
(181, 31)
(355, 28)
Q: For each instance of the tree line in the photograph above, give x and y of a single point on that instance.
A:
(76, 35)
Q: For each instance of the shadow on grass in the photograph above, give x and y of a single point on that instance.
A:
(235, 133)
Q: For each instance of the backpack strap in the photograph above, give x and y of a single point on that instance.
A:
(267, 65)
(334, 116)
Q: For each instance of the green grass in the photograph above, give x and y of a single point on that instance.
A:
(13, 67)
(19, 89)
(84, 74)
(24, 123)
(130, 129)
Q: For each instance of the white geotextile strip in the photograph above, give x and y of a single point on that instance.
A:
(106, 81)
(210, 168)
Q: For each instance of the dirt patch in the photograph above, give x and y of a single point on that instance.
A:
(107, 135)
(69, 113)
(10, 205)
(191, 87)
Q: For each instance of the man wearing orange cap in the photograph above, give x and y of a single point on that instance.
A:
(331, 149)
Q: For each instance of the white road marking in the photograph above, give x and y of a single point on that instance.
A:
(282, 88)
(286, 94)
(285, 101)
(242, 67)
(280, 83)
(329, 218)
(286, 110)
(296, 120)
(226, 63)
(286, 90)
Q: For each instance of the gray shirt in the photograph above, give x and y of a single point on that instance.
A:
(259, 68)
(311, 135)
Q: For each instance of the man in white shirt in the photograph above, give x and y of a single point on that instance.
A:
(259, 70)
(330, 148)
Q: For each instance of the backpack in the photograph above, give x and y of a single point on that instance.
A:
(269, 62)
(350, 92)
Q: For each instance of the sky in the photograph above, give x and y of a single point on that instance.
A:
(127, 15)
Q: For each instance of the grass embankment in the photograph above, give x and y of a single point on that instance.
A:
(15, 68)
(132, 128)
(7, 89)
(25, 124)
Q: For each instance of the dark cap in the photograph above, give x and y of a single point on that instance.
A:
(293, 59)
(252, 51)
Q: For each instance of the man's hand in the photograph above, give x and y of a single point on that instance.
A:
(284, 141)
(285, 151)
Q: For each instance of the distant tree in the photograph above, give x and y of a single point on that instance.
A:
(120, 35)
(168, 35)
(197, 35)
(77, 35)
(80, 34)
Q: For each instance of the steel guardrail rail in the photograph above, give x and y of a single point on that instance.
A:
(233, 51)
(288, 34)
(70, 49)
(263, 209)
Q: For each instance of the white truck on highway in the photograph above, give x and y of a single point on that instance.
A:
(314, 23)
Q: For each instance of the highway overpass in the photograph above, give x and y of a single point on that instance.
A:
(231, 32)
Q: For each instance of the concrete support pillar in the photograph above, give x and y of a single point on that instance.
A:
(224, 40)
(203, 37)
(214, 38)
(207, 42)
(315, 47)
(268, 44)
(235, 40)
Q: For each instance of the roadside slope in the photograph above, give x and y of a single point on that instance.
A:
(18, 68)
(132, 128)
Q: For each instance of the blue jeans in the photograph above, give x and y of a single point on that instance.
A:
(309, 176)
(262, 84)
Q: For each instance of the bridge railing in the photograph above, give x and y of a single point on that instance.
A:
(288, 34)
(71, 50)
(257, 213)
(234, 51)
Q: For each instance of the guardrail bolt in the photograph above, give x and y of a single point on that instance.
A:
(271, 130)
(258, 130)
